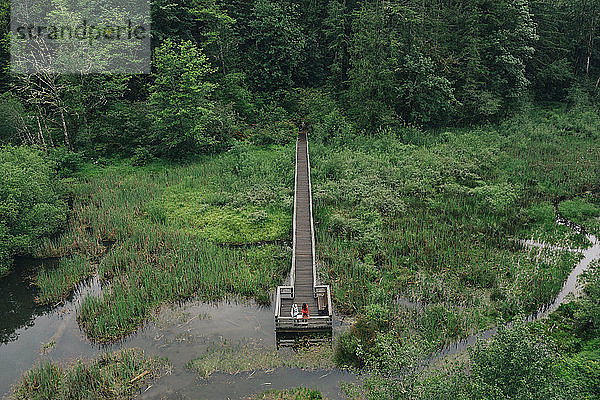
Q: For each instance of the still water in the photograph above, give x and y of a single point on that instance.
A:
(32, 334)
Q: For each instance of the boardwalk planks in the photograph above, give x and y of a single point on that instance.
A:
(303, 288)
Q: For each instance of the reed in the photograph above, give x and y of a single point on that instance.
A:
(291, 394)
(437, 224)
(173, 234)
(112, 375)
(57, 283)
(583, 210)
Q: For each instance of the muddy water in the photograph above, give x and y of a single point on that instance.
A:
(33, 334)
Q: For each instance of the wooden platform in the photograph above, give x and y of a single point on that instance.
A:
(303, 287)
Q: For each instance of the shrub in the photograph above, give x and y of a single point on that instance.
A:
(142, 156)
(278, 132)
(346, 350)
(11, 112)
(515, 364)
(31, 207)
(66, 162)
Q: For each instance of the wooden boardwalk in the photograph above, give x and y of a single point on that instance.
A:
(303, 287)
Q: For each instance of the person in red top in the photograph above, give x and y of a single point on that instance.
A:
(305, 311)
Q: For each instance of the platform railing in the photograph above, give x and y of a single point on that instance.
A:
(315, 321)
(318, 322)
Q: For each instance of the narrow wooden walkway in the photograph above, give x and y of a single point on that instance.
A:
(302, 264)
(303, 286)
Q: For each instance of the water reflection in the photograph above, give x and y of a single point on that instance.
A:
(179, 332)
(18, 309)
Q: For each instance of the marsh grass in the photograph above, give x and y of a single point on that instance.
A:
(290, 394)
(112, 375)
(176, 274)
(437, 224)
(236, 358)
(541, 226)
(209, 216)
(584, 211)
(171, 227)
(57, 283)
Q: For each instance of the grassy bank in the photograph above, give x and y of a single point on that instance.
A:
(583, 210)
(57, 283)
(175, 231)
(113, 375)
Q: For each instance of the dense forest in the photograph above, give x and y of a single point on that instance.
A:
(389, 64)
(442, 134)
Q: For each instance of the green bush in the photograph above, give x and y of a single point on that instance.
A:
(583, 371)
(278, 132)
(142, 156)
(346, 350)
(11, 112)
(31, 207)
(66, 162)
(515, 365)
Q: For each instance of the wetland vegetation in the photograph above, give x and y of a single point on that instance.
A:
(113, 375)
(446, 140)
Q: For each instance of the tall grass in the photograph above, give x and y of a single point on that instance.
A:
(57, 283)
(167, 247)
(436, 224)
(113, 375)
(291, 394)
(583, 210)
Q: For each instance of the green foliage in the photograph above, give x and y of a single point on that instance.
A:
(142, 156)
(578, 322)
(582, 212)
(56, 284)
(168, 226)
(277, 132)
(31, 207)
(425, 97)
(204, 214)
(182, 110)
(516, 365)
(346, 350)
(66, 162)
(11, 119)
(575, 328)
(291, 394)
(429, 232)
(542, 226)
(110, 376)
(233, 90)
(582, 371)
(276, 45)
